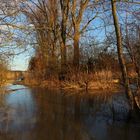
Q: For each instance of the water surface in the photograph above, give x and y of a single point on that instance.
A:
(40, 114)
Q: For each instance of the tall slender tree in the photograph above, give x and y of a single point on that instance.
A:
(65, 5)
(122, 62)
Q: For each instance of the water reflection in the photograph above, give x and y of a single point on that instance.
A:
(39, 114)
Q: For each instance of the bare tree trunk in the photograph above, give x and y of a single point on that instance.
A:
(76, 21)
(63, 56)
(64, 11)
(76, 50)
(120, 55)
(133, 57)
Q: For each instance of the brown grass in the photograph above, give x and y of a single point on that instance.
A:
(104, 80)
(94, 81)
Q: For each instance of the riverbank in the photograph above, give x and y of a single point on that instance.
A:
(102, 80)
(112, 85)
(51, 84)
(3, 89)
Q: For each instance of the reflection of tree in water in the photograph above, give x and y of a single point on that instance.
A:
(17, 116)
(57, 115)
(61, 116)
(4, 113)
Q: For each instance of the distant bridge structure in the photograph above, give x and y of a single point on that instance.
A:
(15, 75)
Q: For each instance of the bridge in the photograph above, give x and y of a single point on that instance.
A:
(15, 75)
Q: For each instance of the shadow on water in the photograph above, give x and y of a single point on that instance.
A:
(40, 114)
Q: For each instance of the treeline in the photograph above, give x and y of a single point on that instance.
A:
(58, 28)
(64, 35)
(61, 32)
(62, 26)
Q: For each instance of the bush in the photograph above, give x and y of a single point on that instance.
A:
(3, 71)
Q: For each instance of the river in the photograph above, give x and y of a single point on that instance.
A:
(41, 114)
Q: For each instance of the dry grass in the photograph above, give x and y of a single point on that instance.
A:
(103, 80)
(97, 81)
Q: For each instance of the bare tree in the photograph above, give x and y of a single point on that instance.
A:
(77, 11)
(65, 6)
(122, 62)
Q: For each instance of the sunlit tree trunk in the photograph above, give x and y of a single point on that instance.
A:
(64, 11)
(120, 54)
(77, 12)
(76, 57)
(76, 20)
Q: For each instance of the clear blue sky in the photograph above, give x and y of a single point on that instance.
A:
(20, 61)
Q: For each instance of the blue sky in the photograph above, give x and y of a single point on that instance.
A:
(19, 62)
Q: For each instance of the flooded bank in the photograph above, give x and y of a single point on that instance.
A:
(40, 114)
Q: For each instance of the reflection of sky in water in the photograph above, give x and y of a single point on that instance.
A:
(10, 87)
(22, 108)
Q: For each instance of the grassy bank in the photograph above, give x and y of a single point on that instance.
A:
(103, 80)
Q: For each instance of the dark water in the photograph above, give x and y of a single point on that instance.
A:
(39, 114)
